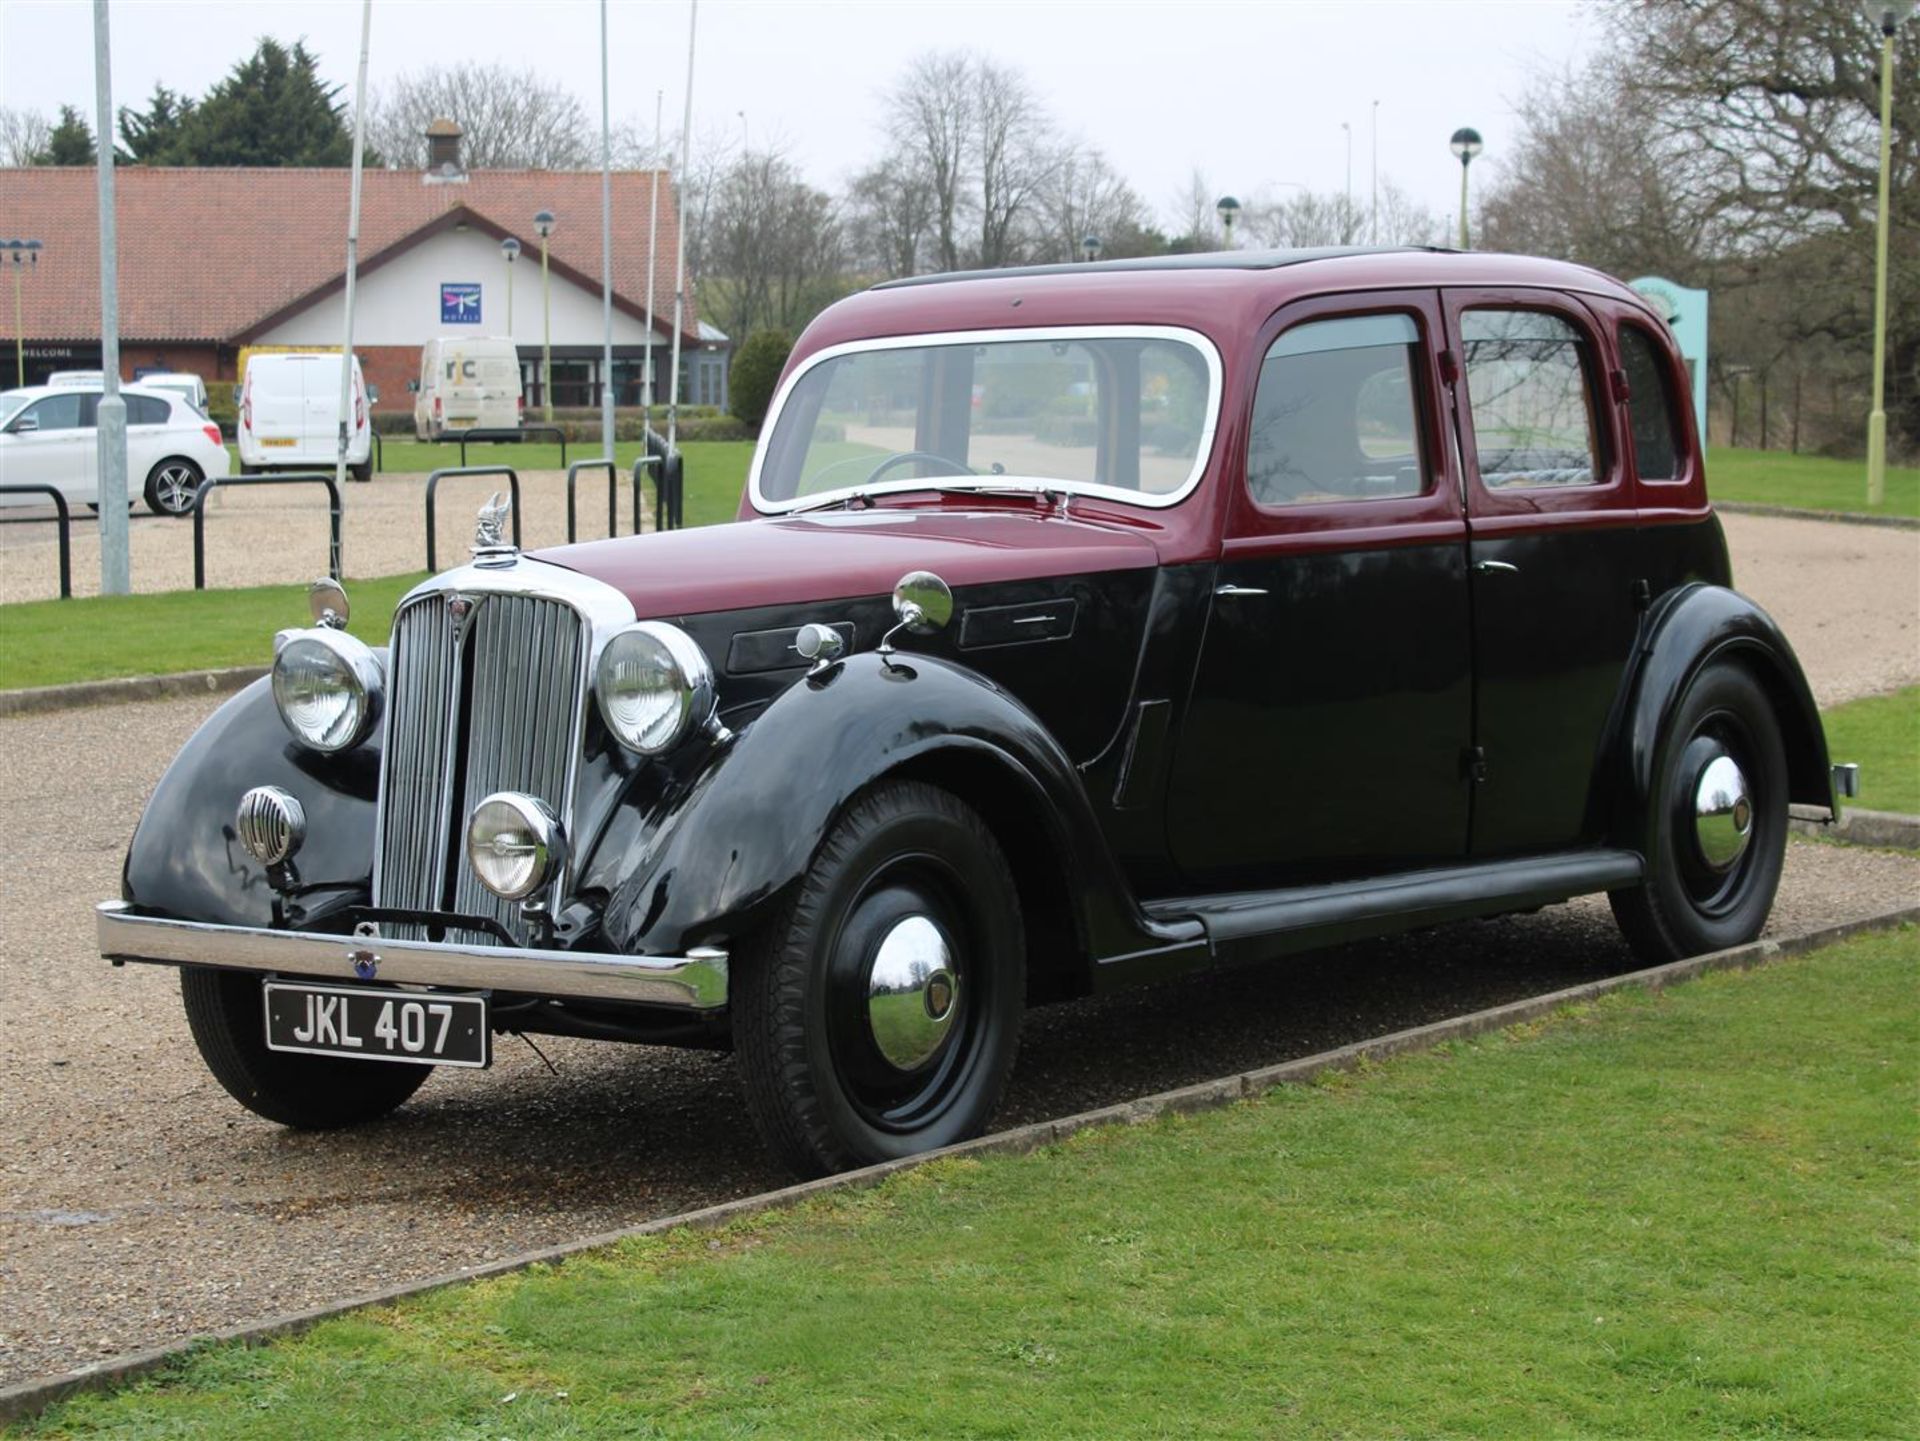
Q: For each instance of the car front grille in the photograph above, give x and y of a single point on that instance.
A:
(491, 705)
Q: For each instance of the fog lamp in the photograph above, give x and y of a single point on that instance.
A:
(514, 844)
(270, 824)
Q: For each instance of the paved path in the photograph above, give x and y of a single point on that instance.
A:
(139, 1204)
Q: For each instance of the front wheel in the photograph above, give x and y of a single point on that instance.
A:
(1715, 835)
(309, 1093)
(172, 485)
(877, 1015)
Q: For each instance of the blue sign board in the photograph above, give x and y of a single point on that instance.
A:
(460, 303)
(1685, 312)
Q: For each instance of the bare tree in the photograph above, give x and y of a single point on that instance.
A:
(510, 119)
(1197, 216)
(772, 250)
(890, 213)
(1009, 144)
(1082, 195)
(23, 135)
(1304, 218)
(930, 120)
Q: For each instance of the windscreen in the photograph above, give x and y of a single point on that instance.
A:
(1129, 414)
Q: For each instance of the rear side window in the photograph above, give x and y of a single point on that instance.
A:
(1529, 385)
(1337, 414)
(147, 410)
(1650, 407)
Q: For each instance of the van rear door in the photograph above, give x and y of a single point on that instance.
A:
(276, 391)
(320, 406)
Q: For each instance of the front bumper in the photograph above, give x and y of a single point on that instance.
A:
(696, 981)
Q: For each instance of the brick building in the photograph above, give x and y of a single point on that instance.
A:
(213, 261)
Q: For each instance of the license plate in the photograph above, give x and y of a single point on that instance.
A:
(277, 442)
(428, 1029)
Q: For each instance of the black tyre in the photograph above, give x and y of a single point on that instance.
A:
(362, 472)
(1716, 833)
(172, 485)
(878, 1014)
(309, 1093)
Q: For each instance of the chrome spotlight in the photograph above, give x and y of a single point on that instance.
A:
(514, 844)
(270, 824)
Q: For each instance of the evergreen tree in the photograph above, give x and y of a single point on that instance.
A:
(68, 143)
(157, 135)
(272, 109)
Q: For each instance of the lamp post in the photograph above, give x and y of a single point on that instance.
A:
(1228, 209)
(1465, 144)
(543, 227)
(1891, 14)
(510, 248)
(24, 253)
(1090, 247)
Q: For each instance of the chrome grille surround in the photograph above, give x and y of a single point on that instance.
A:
(492, 699)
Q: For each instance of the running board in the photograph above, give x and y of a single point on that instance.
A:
(1256, 925)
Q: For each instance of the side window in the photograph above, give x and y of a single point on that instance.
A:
(1337, 413)
(147, 410)
(1650, 407)
(1529, 384)
(57, 412)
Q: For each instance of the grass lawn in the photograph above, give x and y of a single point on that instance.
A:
(94, 637)
(1690, 1214)
(52, 642)
(1774, 477)
(1882, 733)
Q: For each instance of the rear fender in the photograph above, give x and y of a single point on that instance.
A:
(1691, 627)
(707, 859)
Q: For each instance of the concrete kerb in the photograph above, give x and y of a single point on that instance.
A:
(1842, 517)
(42, 699)
(28, 1398)
(1858, 827)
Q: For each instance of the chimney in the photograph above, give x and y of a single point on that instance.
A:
(443, 153)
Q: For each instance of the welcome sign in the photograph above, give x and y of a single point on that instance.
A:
(460, 303)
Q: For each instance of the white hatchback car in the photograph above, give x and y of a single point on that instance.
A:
(47, 437)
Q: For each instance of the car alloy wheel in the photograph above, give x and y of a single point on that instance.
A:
(172, 486)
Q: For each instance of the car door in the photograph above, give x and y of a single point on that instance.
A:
(149, 421)
(1331, 705)
(44, 446)
(1552, 557)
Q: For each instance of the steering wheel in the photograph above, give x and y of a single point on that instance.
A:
(907, 457)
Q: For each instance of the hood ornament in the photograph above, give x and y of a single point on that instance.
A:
(490, 546)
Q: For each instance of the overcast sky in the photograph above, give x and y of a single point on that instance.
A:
(1253, 93)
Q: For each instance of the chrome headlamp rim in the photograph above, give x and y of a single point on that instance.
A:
(366, 679)
(697, 702)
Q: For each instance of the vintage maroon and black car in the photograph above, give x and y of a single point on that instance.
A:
(1081, 626)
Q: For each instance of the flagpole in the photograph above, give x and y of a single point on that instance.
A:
(653, 234)
(347, 426)
(110, 416)
(680, 258)
(606, 249)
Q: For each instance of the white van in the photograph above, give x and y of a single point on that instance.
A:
(467, 385)
(290, 415)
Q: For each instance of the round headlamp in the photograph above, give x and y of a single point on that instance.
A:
(654, 687)
(514, 844)
(328, 687)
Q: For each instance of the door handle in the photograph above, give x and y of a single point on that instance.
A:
(1238, 590)
(1494, 567)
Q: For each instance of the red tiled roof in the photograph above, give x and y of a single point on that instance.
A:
(210, 254)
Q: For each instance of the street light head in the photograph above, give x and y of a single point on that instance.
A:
(1465, 144)
(1890, 14)
(1090, 247)
(1227, 208)
(543, 223)
(511, 249)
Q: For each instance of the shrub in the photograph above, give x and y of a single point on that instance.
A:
(756, 371)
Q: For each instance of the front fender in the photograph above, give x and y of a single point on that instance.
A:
(708, 859)
(1692, 626)
(185, 860)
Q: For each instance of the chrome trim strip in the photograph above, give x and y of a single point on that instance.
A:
(696, 981)
(1203, 455)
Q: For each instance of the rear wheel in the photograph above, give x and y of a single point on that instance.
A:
(172, 485)
(362, 472)
(309, 1093)
(1715, 834)
(877, 1016)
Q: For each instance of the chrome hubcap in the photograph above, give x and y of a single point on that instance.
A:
(912, 993)
(1722, 812)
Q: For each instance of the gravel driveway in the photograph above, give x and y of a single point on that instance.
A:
(139, 1205)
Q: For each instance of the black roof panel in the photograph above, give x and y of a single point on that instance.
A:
(1201, 260)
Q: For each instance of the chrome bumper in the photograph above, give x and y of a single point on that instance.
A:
(696, 981)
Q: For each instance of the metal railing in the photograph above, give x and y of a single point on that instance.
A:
(669, 481)
(513, 488)
(64, 518)
(379, 453)
(503, 437)
(613, 497)
(298, 477)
